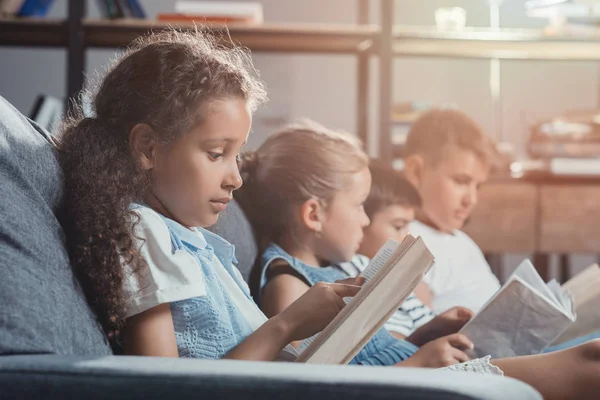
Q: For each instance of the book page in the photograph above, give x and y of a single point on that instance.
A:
(382, 256)
(527, 272)
(584, 286)
(585, 291)
(354, 326)
(517, 321)
(563, 297)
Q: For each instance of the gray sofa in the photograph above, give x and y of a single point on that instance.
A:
(52, 347)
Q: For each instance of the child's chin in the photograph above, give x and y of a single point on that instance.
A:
(210, 220)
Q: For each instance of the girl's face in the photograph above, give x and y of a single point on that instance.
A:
(344, 220)
(194, 177)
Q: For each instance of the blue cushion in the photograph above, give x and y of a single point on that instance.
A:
(42, 309)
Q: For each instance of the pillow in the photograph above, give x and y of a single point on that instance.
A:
(42, 309)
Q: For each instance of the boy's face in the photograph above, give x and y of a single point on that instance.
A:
(390, 222)
(449, 188)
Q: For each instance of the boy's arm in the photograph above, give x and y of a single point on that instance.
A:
(424, 294)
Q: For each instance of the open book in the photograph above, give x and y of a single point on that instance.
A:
(390, 278)
(585, 291)
(522, 318)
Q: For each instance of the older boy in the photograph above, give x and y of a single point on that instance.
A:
(447, 158)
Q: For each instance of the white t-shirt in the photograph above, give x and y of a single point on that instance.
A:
(461, 276)
(173, 276)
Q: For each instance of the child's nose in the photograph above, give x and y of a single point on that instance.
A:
(233, 179)
(366, 220)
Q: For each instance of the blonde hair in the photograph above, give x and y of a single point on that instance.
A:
(300, 162)
(444, 129)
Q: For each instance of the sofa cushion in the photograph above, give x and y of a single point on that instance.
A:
(234, 227)
(42, 309)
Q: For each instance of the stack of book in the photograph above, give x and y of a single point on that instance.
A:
(215, 12)
(570, 144)
(566, 16)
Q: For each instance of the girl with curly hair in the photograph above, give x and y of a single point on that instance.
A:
(157, 162)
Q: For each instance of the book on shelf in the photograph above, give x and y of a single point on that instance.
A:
(524, 317)
(575, 166)
(114, 9)
(215, 11)
(389, 279)
(34, 8)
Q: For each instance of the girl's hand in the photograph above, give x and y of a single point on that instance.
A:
(316, 308)
(442, 352)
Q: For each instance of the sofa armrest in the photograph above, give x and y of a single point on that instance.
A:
(54, 377)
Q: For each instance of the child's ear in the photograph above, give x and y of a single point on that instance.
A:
(143, 143)
(413, 169)
(311, 214)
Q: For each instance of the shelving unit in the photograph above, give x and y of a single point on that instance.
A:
(514, 214)
(386, 41)
(502, 44)
(77, 34)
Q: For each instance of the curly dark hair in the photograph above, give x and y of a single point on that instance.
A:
(162, 81)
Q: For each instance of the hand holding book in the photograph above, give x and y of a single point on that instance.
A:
(313, 311)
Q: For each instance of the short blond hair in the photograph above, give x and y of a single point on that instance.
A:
(442, 129)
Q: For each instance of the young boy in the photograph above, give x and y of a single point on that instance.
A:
(447, 158)
(391, 207)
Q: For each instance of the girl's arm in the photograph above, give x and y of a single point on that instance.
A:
(151, 333)
(281, 291)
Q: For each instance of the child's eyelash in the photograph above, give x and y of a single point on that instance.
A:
(214, 155)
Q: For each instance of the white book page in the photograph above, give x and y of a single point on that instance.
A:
(527, 272)
(517, 321)
(382, 256)
(370, 309)
(563, 297)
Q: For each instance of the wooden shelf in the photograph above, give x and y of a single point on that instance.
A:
(509, 44)
(33, 32)
(314, 38)
(288, 38)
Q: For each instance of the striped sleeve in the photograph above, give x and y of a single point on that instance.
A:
(411, 315)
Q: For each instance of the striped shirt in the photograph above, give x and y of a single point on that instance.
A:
(411, 315)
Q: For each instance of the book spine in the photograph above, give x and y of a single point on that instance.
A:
(103, 8)
(217, 8)
(124, 7)
(201, 19)
(35, 8)
(137, 11)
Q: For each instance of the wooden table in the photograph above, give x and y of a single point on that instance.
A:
(539, 214)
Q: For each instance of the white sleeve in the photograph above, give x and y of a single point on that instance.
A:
(168, 276)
